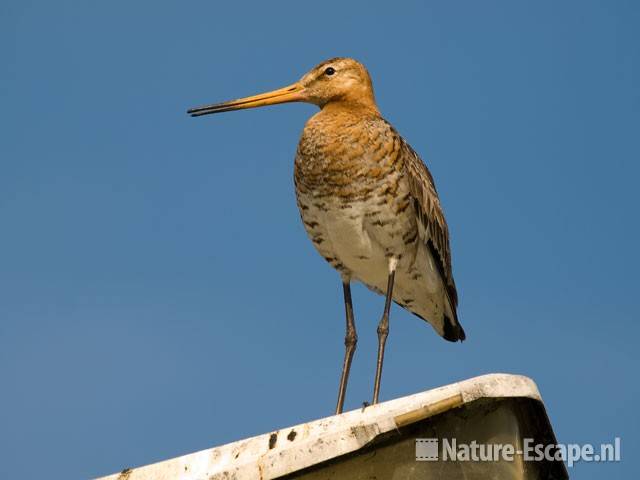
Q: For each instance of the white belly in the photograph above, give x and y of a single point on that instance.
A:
(357, 247)
(354, 242)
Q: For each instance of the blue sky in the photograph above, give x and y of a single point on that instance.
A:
(159, 294)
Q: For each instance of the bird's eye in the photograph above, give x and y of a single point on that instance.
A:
(330, 71)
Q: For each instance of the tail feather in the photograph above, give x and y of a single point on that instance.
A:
(453, 331)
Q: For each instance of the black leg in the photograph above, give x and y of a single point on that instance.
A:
(350, 340)
(383, 332)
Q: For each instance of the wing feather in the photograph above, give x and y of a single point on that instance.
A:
(434, 231)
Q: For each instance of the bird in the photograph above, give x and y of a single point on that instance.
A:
(368, 203)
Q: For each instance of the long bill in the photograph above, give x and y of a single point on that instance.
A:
(291, 93)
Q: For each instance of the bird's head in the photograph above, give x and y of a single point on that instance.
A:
(339, 81)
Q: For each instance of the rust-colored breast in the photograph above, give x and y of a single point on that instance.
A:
(346, 156)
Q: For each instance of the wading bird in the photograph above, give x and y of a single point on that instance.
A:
(368, 203)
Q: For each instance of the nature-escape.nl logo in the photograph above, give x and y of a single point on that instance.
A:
(427, 451)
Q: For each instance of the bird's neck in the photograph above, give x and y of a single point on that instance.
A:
(357, 106)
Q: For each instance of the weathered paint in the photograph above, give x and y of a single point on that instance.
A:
(268, 456)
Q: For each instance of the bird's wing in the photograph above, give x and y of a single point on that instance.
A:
(434, 231)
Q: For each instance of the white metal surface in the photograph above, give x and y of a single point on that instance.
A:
(291, 449)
